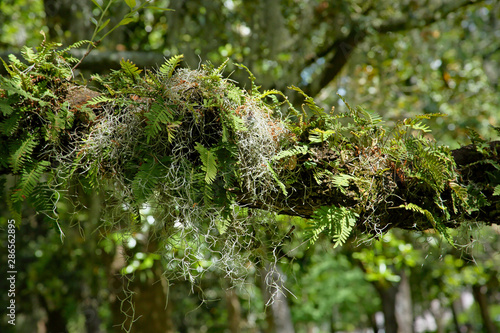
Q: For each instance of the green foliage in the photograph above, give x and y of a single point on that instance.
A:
(338, 222)
(168, 67)
(22, 153)
(29, 180)
(438, 225)
(160, 117)
(146, 179)
(130, 69)
(209, 160)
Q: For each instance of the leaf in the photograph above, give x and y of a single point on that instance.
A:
(103, 25)
(131, 3)
(22, 153)
(129, 68)
(497, 190)
(126, 21)
(169, 66)
(97, 4)
(317, 135)
(436, 223)
(209, 160)
(28, 182)
(339, 221)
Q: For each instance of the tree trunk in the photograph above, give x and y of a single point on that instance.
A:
(233, 311)
(479, 293)
(396, 305)
(278, 314)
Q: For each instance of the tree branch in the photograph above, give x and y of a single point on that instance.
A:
(343, 47)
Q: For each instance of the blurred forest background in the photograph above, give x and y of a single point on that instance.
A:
(399, 59)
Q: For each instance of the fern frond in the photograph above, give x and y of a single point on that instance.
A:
(22, 153)
(159, 115)
(11, 124)
(276, 179)
(5, 107)
(130, 69)
(75, 46)
(341, 181)
(209, 160)
(146, 180)
(29, 181)
(372, 117)
(316, 109)
(291, 152)
(317, 135)
(98, 100)
(418, 126)
(339, 221)
(169, 66)
(28, 54)
(436, 223)
(459, 194)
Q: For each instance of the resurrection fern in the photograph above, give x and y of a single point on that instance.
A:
(338, 222)
(159, 117)
(209, 160)
(130, 69)
(146, 179)
(436, 223)
(29, 180)
(22, 154)
(168, 67)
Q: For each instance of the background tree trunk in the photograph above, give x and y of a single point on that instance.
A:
(479, 292)
(278, 313)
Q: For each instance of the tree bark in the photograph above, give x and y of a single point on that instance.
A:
(233, 311)
(278, 313)
(479, 292)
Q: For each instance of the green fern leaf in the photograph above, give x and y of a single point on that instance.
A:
(29, 181)
(317, 135)
(130, 69)
(146, 179)
(169, 66)
(436, 223)
(209, 160)
(10, 125)
(319, 111)
(291, 152)
(22, 153)
(159, 117)
(339, 221)
(497, 190)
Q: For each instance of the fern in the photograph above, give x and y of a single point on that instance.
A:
(146, 179)
(130, 69)
(496, 190)
(75, 46)
(317, 135)
(209, 160)
(276, 179)
(291, 152)
(158, 116)
(169, 66)
(29, 181)
(436, 223)
(371, 117)
(319, 111)
(338, 221)
(98, 100)
(459, 194)
(255, 89)
(22, 153)
(11, 124)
